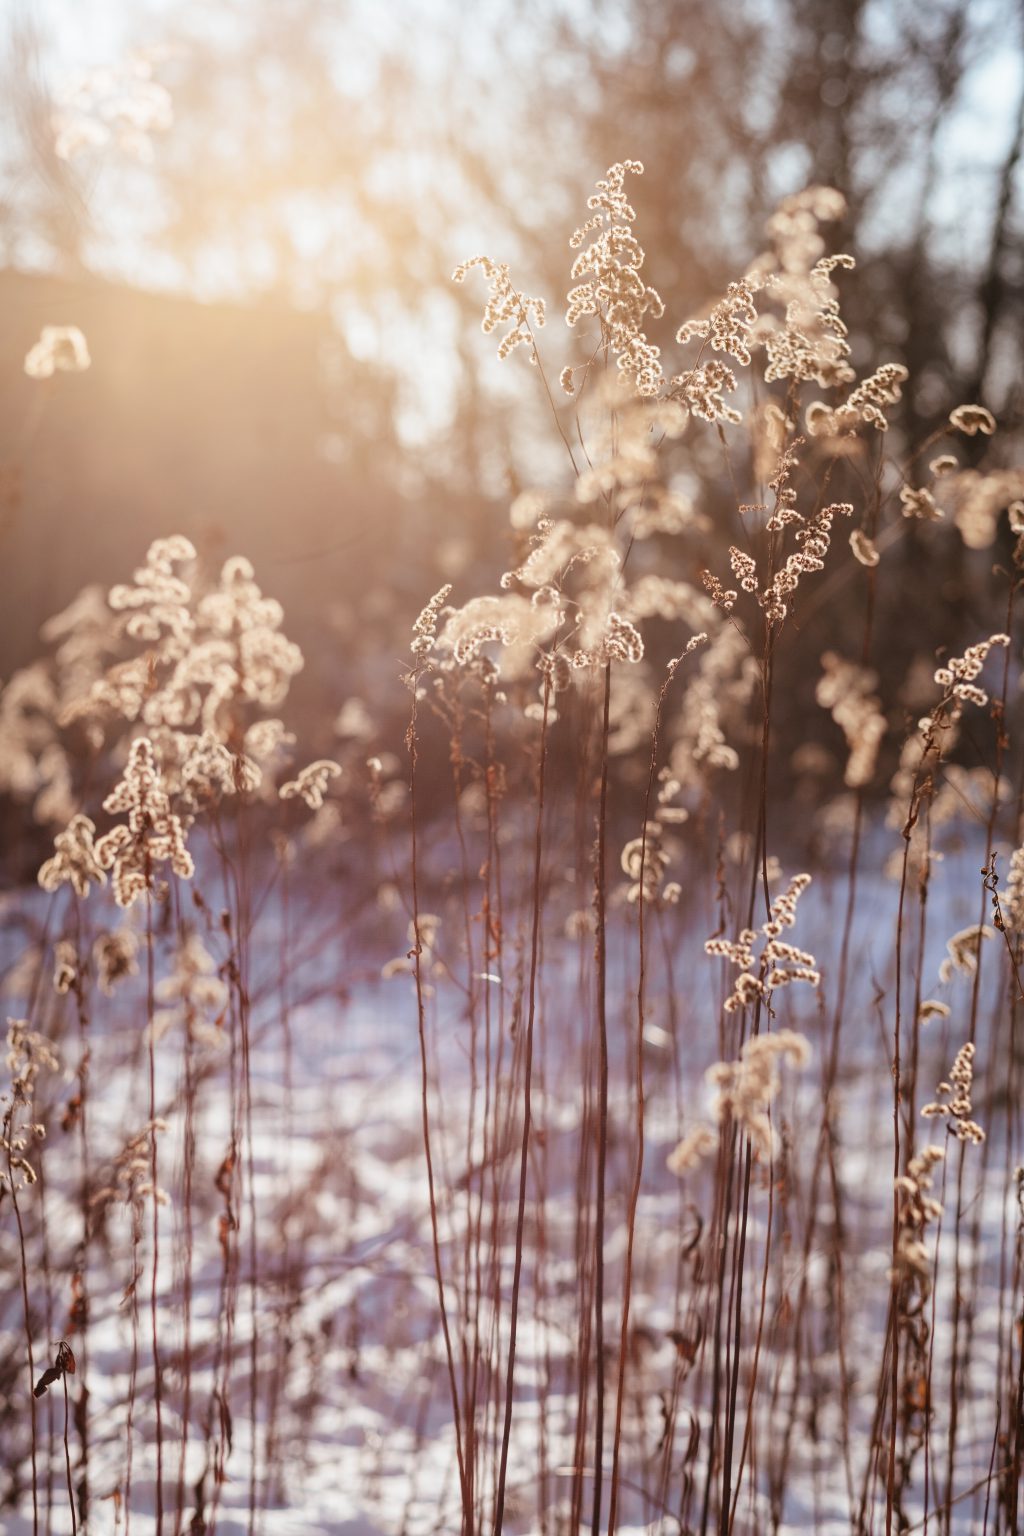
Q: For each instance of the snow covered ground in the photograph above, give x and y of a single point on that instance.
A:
(332, 1297)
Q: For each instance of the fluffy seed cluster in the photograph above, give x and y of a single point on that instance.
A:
(28, 1054)
(717, 697)
(920, 504)
(746, 1089)
(695, 1146)
(962, 951)
(152, 834)
(779, 963)
(977, 500)
(954, 1099)
(208, 658)
(1013, 902)
(811, 344)
(425, 628)
(207, 769)
(917, 1208)
(75, 861)
(864, 549)
(114, 958)
(193, 995)
(60, 349)
(65, 966)
(311, 783)
(702, 390)
(957, 676)
(722, 598)
(645, 858)
(972, 419)
(866, 405)
(512, 621)
(814, 538)
(729, 326)
(133, 1182)
(506, 306)
(847, 692)
(608, 285)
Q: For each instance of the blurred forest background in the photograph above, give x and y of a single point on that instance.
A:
(253, 211)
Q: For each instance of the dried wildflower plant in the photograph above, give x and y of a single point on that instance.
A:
(963, 950)
(1010, 910)
(152, 834)
(954, 1101)
(192, 995)
(28, 1054)
(311, 783)
(698, 1143)
(60, 349)
(958, 676)
(75, 861)
(746, 1089)
(847, 692)
(115, 958)
(209, 659)
(918, 1207)
(507, 308)
(607, 282)
(779, 962)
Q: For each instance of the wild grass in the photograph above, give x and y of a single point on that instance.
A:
(601, 1111)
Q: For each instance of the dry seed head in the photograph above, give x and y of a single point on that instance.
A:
(608, 285)
(697, 1144)
(814, 538)
(114, 958)
(511, 620)
(1012, 905)
(920, 504)
(864, 549)
(977, 499)
(779, 963)
(743, 568)
(954, 1099)
(645, 861)
(847, 692)
(972, 419)
(963, 950)
(311, 783)
(28, 1054)
(425, 627)
(958, 674)
(728, 326)
(703, 389)
(60, 349)
(505, 306)
(120, 103)
(209, 770)
(811, 343)
(945, 464)
(719, 596)
(153, 834)
(917, 1207)
(746, 1089)
(65, 966)
(75, 861)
